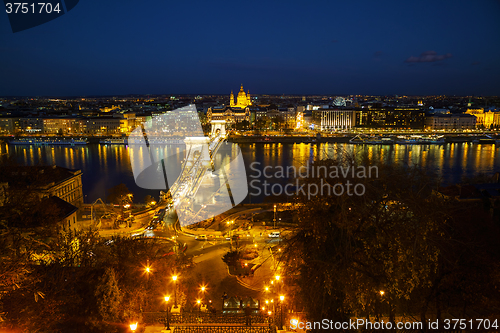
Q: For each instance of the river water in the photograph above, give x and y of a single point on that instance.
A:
(105, 166)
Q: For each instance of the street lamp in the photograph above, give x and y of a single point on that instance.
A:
(282, 298)
(175, 290)
(133, 327)
(203, 289)
(274, 217)
(199, 306)
(147, 270)
(167, 298)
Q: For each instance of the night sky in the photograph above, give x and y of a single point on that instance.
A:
(112, 47)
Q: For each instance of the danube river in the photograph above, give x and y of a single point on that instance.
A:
(105, 166)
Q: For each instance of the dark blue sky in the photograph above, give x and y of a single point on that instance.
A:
(273, 47)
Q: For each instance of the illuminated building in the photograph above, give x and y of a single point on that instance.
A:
(7, 125)
(413, 118)
(299, 119)
(242, 101)
(332, 120)
(485, 119)
(101, 126)
(109, 109)
(29, 125)
(450, 122)
(235, 112)
(61, 125)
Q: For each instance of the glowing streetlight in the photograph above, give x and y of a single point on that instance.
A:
(203, 288)
(282, 298)
(277, 277)
(133, 327)
(382, 293)
(198, 301)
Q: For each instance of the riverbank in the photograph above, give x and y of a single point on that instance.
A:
(346, 138)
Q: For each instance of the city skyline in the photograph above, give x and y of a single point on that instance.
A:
(281, 48)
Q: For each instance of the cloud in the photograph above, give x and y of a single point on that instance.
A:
(428, 56)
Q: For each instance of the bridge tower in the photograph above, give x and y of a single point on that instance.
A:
(218, 126)
(197, 146)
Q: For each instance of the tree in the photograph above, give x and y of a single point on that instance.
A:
(263, 123)
(108, 296)
(231, 258)
(148, 199)
(278, 122)
(397, 249)
(242, 125)
(120, 194)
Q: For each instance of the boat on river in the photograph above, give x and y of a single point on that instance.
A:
(420, 139)
(113, 141)
(372, 140)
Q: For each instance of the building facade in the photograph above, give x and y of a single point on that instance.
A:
(242, 101)
(46, 181)
(407, 118)
(236, 112)
(485, 119)
(333, 120)
(450, 122)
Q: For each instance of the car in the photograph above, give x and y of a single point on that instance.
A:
(201, 237)
(274, 234)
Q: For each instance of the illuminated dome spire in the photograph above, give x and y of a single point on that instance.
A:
(231, 99)
(242, 100)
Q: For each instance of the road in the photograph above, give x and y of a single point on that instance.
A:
(207, 257)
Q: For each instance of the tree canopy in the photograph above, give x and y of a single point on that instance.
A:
(397, 250)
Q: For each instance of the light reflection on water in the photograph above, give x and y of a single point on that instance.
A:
(105, 166)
